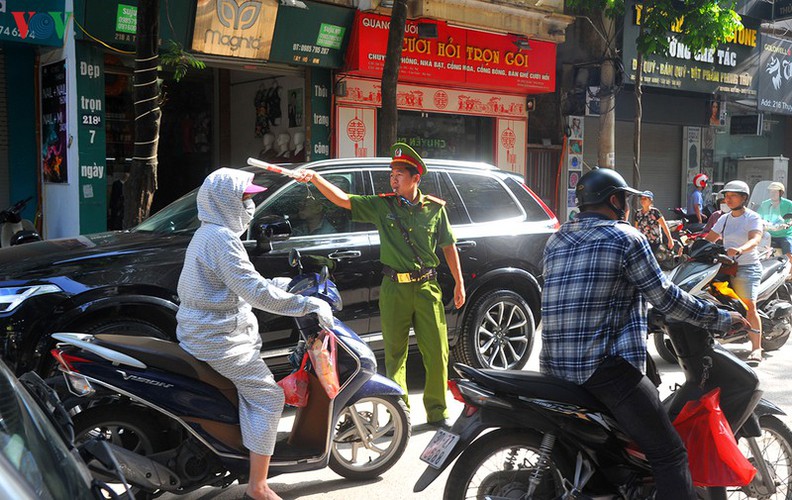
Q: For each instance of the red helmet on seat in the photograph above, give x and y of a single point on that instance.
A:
(700, 180)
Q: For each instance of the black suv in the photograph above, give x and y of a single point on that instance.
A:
(126, 281)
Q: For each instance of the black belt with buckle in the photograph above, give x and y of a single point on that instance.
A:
(419, 276)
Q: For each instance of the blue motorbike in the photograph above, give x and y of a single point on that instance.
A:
(178, 419)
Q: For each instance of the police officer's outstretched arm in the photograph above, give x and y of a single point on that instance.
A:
(330, 191)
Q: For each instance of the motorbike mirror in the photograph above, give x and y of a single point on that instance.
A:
(295, 259)
(269, 229)
(323, 274)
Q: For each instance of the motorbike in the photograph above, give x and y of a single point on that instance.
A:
(701, 275)
(154, 399)
(14, 230)
(527, 435)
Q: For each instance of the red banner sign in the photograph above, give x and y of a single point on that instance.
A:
(466, 57)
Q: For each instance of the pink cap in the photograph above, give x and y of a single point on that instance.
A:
(253, 189)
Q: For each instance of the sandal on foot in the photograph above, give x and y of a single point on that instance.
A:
(755, 357)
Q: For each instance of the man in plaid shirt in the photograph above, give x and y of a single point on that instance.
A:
(599, 273)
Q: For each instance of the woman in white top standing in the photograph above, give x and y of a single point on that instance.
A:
(741, 231)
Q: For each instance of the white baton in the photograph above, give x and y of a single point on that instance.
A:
(253, 162)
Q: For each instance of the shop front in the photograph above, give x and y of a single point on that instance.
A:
(31, 34)
(265, 91)
(706, 103)
(462, 94)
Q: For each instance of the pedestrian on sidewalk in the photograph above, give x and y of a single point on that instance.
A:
(651, 223)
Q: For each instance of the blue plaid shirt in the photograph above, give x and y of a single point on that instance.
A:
(599, 273)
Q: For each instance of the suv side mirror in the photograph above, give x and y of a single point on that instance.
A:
(271, 228)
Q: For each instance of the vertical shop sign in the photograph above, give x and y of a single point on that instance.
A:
(774, 92)
(357, 132)
(319, 122)
(511, 144)
(91, 138)
(54, 133)
(574, 162)
(691, 157)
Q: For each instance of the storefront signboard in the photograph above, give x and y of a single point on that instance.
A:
(774, 92)
(357, 132)
(366, 92)
(782, 9)
(458, 56)
(319, 122)
(115, 21)
(42, 22)
(235, 29)
(316, 36)
(729, 68)
(91, 138)
(54, 142)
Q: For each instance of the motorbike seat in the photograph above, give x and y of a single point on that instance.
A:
(170, 357)
(772, 266)
(534, 385)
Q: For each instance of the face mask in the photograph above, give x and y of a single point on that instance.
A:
(250, 208)
(725, 208)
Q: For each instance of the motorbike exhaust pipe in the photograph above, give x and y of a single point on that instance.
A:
(137, 470)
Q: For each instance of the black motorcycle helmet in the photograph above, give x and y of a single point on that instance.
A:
(597, 185)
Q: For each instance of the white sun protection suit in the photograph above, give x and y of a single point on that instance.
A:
(216, 324)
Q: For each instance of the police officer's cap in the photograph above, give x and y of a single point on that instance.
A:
(597, 185)
(402, 154)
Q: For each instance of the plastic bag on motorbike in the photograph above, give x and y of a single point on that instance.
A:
(713, 454)
(322, 350)
(295, 386)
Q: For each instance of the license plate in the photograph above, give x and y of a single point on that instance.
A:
(439, 448)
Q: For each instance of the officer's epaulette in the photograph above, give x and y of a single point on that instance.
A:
(435, 199)
(385, 195)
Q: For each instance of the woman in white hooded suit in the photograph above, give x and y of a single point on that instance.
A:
(218, 287)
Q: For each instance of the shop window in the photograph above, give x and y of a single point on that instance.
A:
(447, 136)
(485, 198)
(309, 212)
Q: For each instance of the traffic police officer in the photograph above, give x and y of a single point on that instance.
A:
(411, 225)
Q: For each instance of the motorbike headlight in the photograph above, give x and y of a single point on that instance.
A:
(13, 296)
(689, 282)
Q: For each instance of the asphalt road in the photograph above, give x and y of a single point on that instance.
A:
(397, 484)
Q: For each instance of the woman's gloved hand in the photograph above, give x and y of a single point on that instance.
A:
(323, 312)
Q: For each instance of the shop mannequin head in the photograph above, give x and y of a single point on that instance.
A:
(299, 141)
(268, 140)
(283, 142)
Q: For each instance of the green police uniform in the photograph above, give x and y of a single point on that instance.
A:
(407, 298)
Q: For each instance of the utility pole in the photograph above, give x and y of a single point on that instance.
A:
(607, 149)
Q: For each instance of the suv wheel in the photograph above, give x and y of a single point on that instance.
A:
(497, 333)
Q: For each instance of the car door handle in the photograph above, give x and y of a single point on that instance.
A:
(465, 245)
(347, 254)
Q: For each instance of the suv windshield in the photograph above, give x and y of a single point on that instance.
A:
(30, 444)
(181, 216)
